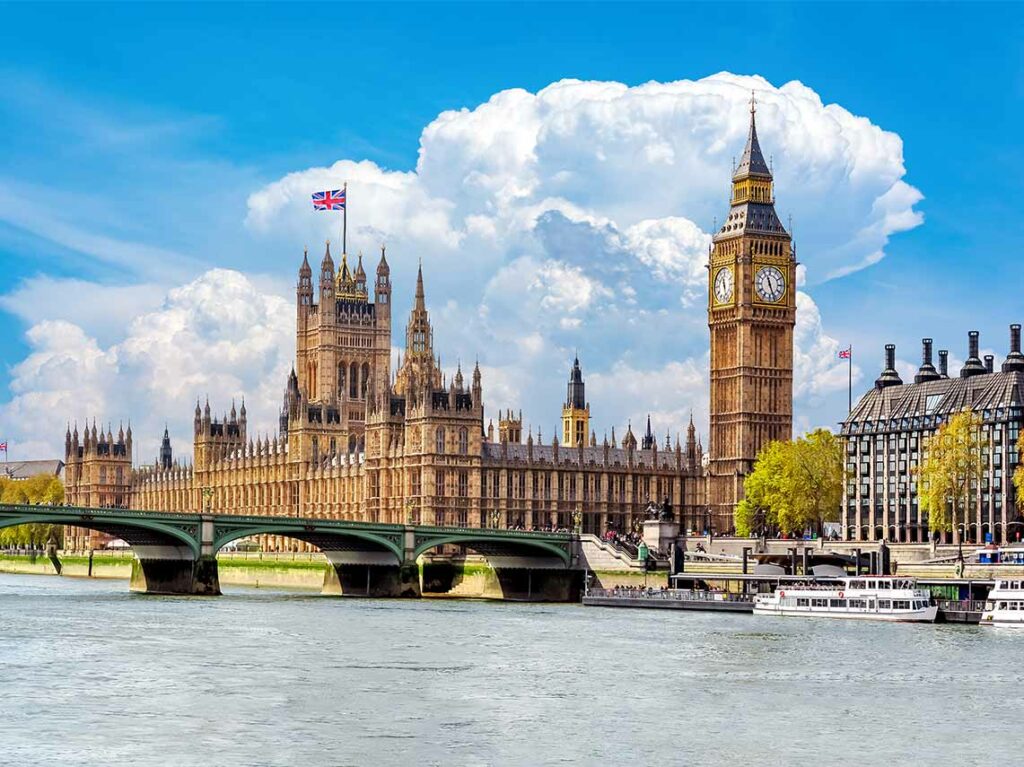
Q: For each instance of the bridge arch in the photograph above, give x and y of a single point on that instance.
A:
(484, 544)
(135, 531)
(325, 538)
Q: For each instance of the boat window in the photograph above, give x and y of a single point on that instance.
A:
(819, 603)
(884, 604)
(901, 604)
(990, 606)
(872, 584)
(858, 604)
(856, 584)
(837, 603)
(801, 602)
(884, 584)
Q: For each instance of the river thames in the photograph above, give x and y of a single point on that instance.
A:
(94, 675)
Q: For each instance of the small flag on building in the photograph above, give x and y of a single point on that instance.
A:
(3, 446)
(332, 200)
(844, 354)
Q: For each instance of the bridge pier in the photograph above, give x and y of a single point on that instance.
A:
(353, 573)
(174, 575)
(539, 585)
(371, 580)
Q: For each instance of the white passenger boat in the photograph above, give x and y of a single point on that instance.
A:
(872, 597)
(1005, 605)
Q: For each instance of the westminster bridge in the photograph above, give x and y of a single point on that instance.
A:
(175, 553)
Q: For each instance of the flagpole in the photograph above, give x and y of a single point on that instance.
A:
(849, 396)
(344, 222)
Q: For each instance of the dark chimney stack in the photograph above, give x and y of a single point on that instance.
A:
(990, 361)
(889, 376)
(1014, 362)
(944, 363)
(927, 371)
(973, 366)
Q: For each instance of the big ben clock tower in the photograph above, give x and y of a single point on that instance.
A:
(751, 314)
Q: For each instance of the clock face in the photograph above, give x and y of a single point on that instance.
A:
(770, 284)
(723, 285)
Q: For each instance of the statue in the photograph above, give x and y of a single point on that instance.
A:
(667, 515)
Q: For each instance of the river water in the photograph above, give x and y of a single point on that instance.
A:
(93, 675)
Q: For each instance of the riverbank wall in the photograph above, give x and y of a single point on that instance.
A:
(463, 578)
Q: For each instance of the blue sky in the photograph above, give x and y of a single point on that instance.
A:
(135, 137)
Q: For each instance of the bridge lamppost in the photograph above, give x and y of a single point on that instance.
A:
(577, 521)
(495, 519)
(207, 498)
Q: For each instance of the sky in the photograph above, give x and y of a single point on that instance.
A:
(557, 168)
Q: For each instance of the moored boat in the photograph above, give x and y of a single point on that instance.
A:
(871, 597)
(1005, 605)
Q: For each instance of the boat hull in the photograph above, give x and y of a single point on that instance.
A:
(926, 615)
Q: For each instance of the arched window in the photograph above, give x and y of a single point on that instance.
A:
(440, 439)
(365, 379)
(342, 368)
(463, 441)
(353, 380)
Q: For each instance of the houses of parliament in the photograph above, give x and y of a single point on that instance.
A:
(357, 440)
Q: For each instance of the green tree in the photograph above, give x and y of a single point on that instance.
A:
(795, 486)
(40, 489)
(948, 476)
(1018, 474)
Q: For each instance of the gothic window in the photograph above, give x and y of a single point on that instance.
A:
(342, 367)
(463, 484)
(416, 482)
(365, 379)
(440, 439)
(103, 474)
(353, 382)
(439, 483)
(463, 441)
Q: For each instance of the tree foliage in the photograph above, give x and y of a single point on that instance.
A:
(948, 477)
(1018, 474)
(795, 486)
(40, 489)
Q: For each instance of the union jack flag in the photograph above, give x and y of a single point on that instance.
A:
(3, 447)
(332, 200)
(844, 354)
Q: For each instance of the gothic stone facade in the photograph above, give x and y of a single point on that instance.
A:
(356, 442)
(751, 315)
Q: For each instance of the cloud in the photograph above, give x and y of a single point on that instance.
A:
(218, 333)
(576, 219)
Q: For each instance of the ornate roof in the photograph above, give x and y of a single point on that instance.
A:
(932, 400)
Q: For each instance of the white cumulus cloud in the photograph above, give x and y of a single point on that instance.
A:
(573, 219)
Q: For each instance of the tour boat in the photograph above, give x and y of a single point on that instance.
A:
(1005, 605)
(872, 597)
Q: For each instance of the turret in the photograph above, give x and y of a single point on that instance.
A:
(973, 365)
(304, 287)
(326, 284)
(889, 375)
(382, 288)
(478, 389)
(67, 443)
(648, 441)
(165, 450)
(691, 445)
(360, 277)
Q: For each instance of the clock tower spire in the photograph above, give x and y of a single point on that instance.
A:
(751, 314)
